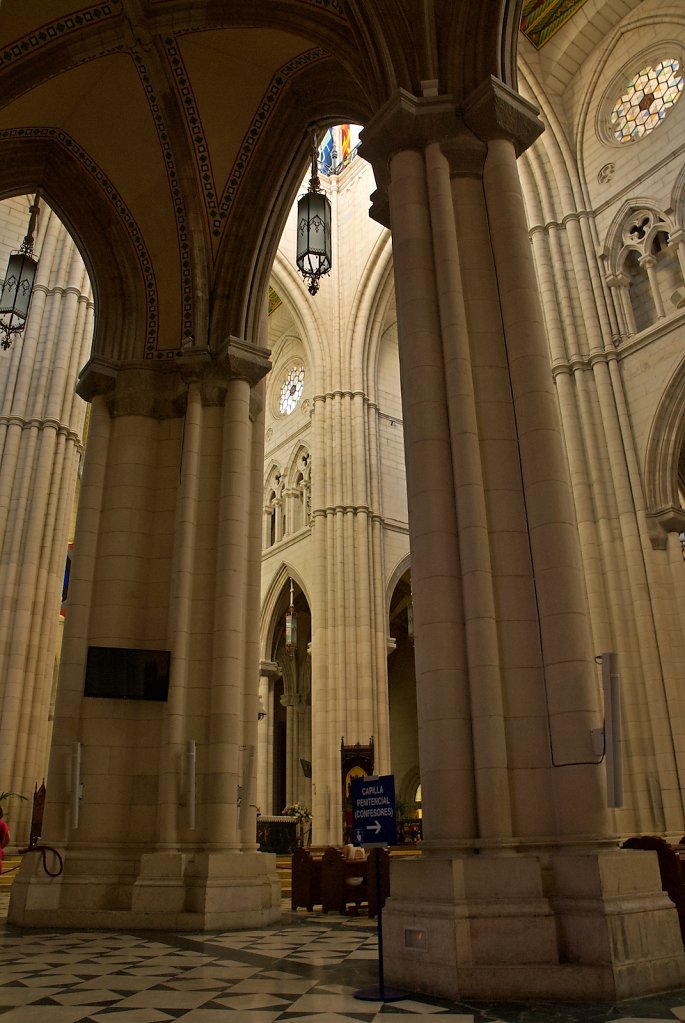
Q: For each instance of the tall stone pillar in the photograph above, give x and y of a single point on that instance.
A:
(520, 888)
(151, 800)
(349, 700)
(41, 445)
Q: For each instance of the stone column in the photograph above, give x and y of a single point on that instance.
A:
(270, 671)
(676, 241)
(441, 668)
(648, 263)
(620, 286)
(168, 560)
(565, 645)
(291, 502)
(506, 686)
(278, 519)
(41, 437)
(177, 779)
(266, 526)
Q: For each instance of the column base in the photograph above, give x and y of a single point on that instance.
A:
(598, 928)
(156, 891)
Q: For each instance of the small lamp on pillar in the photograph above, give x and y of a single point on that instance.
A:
(18, 285)
(314, 230)
(291, 626)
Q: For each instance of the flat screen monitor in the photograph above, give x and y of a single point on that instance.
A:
(120, 673)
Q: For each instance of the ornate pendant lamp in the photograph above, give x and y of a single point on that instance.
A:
(291, 626)
(314, 230)
(18, 285)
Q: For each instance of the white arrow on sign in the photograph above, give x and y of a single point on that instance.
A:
(374, 827)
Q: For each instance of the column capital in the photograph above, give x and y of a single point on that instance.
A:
(243, 361)
(495, 111)
(619, 280)
(406, 122)
(676, 237)
(98, 377)
(160, 390)
(134, 389)
(661, 522)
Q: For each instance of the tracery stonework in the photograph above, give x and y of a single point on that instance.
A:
(648, 98)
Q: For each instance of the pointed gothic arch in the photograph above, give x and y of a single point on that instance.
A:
(104, 231)
(664, 461)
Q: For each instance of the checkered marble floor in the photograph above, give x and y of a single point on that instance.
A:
(305, 970)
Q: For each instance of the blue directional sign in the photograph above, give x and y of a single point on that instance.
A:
(373, 810)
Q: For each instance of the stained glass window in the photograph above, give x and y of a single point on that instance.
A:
(291, 390)
(648, 98)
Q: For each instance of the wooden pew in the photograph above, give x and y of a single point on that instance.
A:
(342, 881)
(305, 879)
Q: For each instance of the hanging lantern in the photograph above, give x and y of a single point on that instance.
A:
(291, 626)
(314, 230)
(17, 286)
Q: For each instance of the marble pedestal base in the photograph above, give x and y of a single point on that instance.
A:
(589, 927)
(163, 891)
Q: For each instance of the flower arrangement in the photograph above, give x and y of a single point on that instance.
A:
(299, 810)
(302, 815)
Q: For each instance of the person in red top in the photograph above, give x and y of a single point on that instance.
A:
(4, 836)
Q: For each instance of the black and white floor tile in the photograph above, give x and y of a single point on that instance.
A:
(305, 970)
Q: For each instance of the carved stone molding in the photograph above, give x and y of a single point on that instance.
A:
(243, 361)
(98, 376)
(495, 111)
(409, 122)
(662, 522)
(160, 390)
(404, 122)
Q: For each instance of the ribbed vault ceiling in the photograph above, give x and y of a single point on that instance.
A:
(171, 135)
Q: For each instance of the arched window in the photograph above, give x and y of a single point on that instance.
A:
(649, 270)
(273, 527)
(272, 519)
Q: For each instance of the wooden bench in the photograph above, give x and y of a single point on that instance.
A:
(346, 883)
(305, 879)
(670, 869)
(342, 881)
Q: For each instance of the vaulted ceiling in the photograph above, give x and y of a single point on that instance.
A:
(171, 135)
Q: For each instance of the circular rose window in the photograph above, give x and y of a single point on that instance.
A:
(291, 390)
(648, 97)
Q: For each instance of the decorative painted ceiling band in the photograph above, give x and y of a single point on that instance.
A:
(334, 6)
(540, 19)
(274, 300)
(189, 107)
(176, 194)
(132, 229)
(266, 109)
(219, 209)
(60, 29)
